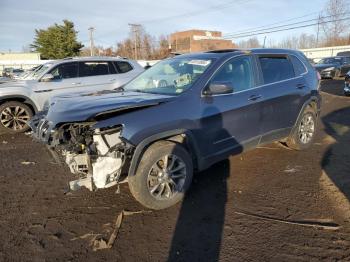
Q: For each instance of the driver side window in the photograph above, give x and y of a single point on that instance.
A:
(64, 71)
(237, 72)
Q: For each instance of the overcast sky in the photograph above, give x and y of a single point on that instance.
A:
(19, 19)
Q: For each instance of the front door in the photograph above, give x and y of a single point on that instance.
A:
(231, 122)
(65, 79)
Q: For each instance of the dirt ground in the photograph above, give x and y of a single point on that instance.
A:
(269, 204)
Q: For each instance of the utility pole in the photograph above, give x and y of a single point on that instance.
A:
(318, 29)
(91, 29)
(135, 28)
(264, 41)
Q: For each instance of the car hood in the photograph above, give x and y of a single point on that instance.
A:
(84, 107)
(16, 83)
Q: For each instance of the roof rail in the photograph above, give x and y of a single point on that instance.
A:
(92, 57)
(223, 51)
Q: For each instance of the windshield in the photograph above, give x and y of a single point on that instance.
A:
(40, 70)
(170, 76)
(330, 60)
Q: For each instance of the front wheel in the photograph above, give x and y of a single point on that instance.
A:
(303, 133)
(14, 117)
(163, 176)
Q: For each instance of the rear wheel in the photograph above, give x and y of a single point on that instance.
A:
(163, 176)
(14, 117)
(304, 131)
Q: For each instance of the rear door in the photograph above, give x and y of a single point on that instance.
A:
(283, 89)
(97, 75)
(231, 122)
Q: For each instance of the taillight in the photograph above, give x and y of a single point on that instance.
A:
(318, 76)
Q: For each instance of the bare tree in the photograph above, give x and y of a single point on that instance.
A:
(250, 43)
(148, 47)
(334, 31)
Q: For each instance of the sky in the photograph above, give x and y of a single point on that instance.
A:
(110, 18)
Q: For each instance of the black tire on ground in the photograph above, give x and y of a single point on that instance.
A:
(19, 113)
(142, 183)
(296, 140)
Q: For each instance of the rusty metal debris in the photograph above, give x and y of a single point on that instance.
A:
(98, 242)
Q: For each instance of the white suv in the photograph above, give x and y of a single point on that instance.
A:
(20, 100)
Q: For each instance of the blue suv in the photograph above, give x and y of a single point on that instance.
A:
(182, 115)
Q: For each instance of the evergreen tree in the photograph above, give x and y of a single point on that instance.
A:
(57, 41)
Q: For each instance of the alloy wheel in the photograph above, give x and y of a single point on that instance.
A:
(14, 117)
(306, 128)
(166, 177)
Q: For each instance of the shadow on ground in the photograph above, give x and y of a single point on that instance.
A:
(333, 87)
(200, 222)
(336, 160)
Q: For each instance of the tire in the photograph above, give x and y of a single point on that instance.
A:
(303, 133)
(13, 117)
(147, 177)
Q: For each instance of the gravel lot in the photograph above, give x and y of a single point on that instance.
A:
(269, 204)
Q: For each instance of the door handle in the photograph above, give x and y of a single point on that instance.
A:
(254, 97)
(111, 80)
(300, 86)
(76, 83)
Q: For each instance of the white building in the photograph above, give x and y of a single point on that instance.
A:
(319, 53)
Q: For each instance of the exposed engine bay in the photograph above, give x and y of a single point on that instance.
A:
(96, 156)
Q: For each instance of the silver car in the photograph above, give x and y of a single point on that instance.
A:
(20, 100)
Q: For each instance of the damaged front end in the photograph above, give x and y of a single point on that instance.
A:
(96, 156)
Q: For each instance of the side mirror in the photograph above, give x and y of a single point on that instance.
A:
(47, 78)
(218, 88)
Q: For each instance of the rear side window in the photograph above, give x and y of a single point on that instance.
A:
(122, 66)
(276, 69)
(93, 68)
(299, 67)
(64, 71)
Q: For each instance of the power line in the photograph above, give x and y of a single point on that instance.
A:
(188, 14)
(275, 23)
(287, 29)
(209, 9)
(281, 26)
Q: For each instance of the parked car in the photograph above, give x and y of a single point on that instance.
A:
(344, 53)
(222, 103)
(347, 84)
(332, 67)
(19, 100)
(6, 72)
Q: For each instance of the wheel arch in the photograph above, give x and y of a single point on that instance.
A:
(315, 103)
(22, 99)
(181, 136)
